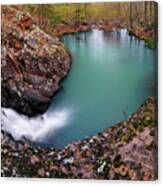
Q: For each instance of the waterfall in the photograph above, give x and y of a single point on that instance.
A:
(34, 129)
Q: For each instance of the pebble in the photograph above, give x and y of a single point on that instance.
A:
(68, 160)
(41, 172)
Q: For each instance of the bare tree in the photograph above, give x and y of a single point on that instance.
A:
(85, 10)
(131, 22)
(78, 14)
(145, 12)
(151, 11)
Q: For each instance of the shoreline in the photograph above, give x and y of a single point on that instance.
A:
(127, 150)
(146, 35)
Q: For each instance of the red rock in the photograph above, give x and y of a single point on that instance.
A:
(41, 172)
(32, 66)
(34, 159)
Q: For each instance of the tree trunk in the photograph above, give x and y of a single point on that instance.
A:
(151, 11)
(119, 11)
(145, 12)
(136, 14)
(131, 22)
(85, 10)
(78, 14)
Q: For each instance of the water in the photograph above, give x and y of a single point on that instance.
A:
(110, 77)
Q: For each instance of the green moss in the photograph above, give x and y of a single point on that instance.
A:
(141, 129)
(128, 136)
(151, 43)
(136, 125)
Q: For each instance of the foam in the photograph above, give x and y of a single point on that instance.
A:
(34, 129)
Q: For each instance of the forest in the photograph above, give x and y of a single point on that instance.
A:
(139, 17)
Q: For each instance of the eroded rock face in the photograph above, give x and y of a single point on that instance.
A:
(33, 63)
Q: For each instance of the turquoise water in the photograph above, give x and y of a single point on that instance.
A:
(110, 77)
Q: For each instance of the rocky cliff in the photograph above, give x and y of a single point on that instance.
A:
(33, 63)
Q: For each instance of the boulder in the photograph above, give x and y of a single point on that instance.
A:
(32, 63)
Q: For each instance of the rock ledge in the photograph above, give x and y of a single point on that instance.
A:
(33, 63)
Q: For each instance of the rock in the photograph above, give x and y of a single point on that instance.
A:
(34, 159)
(147, 118)
(47, 174)
(33, 63)
(101, 168)
(68, 160)
(41, 172)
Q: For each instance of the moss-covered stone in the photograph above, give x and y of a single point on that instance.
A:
(151, 42)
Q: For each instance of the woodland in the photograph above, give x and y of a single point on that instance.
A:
(139, 17)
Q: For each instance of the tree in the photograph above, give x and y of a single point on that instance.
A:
(85, 10)
(145, 12)
(131, 22)
(77, 14)
(151, 11)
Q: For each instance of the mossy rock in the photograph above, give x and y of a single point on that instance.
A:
(128, 136)
(141, 129)
(151, 43)
(136, 125)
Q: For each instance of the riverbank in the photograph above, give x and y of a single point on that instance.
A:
(146, 33)
(127, 150)
(149, 35)
(86, 26)
(62, 29)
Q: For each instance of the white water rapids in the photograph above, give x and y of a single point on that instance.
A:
(34, 129)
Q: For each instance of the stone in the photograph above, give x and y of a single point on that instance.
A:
(41, 172)
(68, 160)
(33, 63)
(34, 159)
